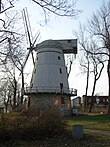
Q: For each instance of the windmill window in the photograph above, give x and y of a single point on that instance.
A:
(59, 58)
(61, 87)
(69, 41)
(62, 100)
(60, 70)
(31, 85)
(35, 70)
(37, 58)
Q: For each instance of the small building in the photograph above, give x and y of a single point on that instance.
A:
(76, 104)
(99, 102)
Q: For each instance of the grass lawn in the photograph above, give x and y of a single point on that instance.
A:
(97, 122)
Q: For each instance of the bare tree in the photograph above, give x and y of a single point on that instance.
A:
(10, 66)
(99, 28)
(9, 91)
(84, 56)
(85, 66)
(4, 93)
(96, 62)
(98, 66)
(11, 39)
(89, 62)
(19, 65)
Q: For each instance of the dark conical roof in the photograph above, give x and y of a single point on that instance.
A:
(49, 44)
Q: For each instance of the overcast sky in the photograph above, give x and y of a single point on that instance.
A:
(62, 28)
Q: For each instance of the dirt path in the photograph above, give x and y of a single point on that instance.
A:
(100, 132)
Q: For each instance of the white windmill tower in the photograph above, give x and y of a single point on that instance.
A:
(49, 84)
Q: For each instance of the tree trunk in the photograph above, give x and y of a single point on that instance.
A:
(15, 89)
(22, 89)
(108, 70)
(93, 91)
(92, 100)
(87, 82)
(85, 103)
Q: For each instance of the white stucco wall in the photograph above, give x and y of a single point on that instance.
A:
(50, 70)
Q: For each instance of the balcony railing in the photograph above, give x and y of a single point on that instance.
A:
(42, 89)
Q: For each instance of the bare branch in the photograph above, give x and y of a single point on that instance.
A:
(6, 9)
(3, 39)
(58, 7)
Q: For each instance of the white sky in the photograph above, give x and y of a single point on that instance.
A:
(62, 28)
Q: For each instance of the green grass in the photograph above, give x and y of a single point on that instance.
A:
(98, 122)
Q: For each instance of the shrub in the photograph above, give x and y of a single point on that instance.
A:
(43, 123)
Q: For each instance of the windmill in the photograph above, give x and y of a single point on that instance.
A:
(49, 85)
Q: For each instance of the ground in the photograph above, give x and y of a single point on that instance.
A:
(96, 131)
(93, 139)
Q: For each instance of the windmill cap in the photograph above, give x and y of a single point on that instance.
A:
(67, 45)
(49, 44)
